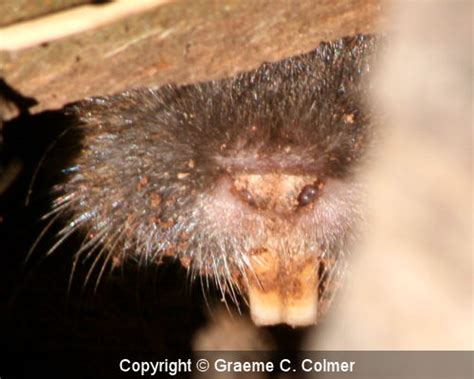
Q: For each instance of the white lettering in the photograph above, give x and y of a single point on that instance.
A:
(285, 365)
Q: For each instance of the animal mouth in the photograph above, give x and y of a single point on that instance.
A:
(282, 230)
(282, 288)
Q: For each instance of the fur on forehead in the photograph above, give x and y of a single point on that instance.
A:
(301, 110)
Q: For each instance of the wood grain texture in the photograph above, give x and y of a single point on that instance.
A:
(180, 42)
(13, 11)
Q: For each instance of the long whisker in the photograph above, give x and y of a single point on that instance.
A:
(73, 269)
(65, 235)
(90, 242)
(118, 237)
(40, 163)
(42, 234)
(204, 292)
(59, 204)
(96, 246)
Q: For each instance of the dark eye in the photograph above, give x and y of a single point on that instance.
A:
(247, 197)
(307, 195)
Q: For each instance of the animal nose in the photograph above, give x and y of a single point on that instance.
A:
(277, 192)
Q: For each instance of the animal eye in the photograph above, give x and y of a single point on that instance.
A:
(247, 197)
(307, 195)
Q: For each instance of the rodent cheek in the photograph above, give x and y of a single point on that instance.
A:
(229, 215)
(328, 219)
(335, 213)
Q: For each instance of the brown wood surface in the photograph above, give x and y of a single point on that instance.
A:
(12, 11)
(180, 42)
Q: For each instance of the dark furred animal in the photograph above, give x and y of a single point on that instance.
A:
(247, 180)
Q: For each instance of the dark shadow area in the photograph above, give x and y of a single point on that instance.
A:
(10, 95)
(135, 310)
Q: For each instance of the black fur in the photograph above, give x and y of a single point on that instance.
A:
(151, 162)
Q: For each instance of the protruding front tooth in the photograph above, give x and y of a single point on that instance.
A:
(301, 304)
(283, 291)
(265, 307)
(263, 291)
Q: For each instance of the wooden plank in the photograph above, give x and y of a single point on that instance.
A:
(12, 11)
(180, 42)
